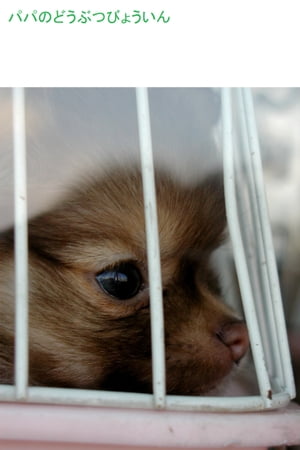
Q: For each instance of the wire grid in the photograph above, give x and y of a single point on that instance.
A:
(255, 265)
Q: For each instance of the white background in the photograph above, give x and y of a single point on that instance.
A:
(206, 43)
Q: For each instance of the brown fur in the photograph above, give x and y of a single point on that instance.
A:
(82, 337)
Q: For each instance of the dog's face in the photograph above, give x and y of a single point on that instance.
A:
(89, 290)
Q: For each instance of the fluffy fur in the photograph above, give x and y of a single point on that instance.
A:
(82, 337)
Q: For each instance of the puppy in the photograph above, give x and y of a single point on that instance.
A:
(89, 290)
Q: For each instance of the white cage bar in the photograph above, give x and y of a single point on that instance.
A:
(274, 373)
(242, 267)
(254, 253)
(153, 250)
(21, 246)
(279, 341)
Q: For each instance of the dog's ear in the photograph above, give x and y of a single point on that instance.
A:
(213, 212)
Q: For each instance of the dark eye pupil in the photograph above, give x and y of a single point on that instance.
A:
(122, 281)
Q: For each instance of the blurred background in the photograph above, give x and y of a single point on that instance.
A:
(71, 132)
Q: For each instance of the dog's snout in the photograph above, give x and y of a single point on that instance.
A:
(235, 336)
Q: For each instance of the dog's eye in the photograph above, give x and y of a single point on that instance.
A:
(123, 281)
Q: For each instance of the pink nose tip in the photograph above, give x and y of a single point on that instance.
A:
(235, 336)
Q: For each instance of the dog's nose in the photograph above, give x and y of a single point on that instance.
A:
(235, 336)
